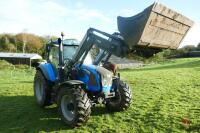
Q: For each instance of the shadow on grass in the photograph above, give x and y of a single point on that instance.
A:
(100, 110)
(21, 114)
(189, 64)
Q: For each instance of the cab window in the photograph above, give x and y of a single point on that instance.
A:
(54, 56)
(69, 51)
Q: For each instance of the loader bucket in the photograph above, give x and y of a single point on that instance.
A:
(156, 27)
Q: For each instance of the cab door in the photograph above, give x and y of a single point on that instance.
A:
(54, 58)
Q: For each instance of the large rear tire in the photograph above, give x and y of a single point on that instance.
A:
(41, 90)
(122, 99)
(74, 106)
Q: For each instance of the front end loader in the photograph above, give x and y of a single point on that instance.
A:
(76, 75)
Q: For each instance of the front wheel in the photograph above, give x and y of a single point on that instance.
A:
(122, 99)
(74, 106)
(41, 90)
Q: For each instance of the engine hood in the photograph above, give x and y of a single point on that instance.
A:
(106, 76)
(97, 78)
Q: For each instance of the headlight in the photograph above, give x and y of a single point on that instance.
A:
(106, 80)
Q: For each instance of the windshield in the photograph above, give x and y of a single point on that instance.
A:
(69, 51)
(71, 42)
(70, 46)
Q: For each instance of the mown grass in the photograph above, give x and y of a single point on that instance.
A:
(165, 94)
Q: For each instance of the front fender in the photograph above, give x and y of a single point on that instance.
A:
(70, 84)
(47, 70)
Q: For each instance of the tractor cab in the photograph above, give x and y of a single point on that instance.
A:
(69, 48)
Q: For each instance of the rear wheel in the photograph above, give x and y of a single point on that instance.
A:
(41, 90)
(122, 99)
(74, 106)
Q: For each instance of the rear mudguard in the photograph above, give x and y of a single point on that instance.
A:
(48, 71)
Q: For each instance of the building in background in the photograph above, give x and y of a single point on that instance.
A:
(125, 63)
(20, 58)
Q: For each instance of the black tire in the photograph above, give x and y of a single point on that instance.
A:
(41, 90)
(122, 99)
(74, 106)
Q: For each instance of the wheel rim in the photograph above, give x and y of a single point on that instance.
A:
(67, 107)
(39, 90)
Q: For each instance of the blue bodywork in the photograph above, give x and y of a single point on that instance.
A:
(48, 71)
(89, 75)
(86, 73)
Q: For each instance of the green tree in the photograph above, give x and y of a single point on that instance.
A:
(198, 47)
(34, 43)
(10, 47)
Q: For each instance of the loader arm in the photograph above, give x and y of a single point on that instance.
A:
(110, 44)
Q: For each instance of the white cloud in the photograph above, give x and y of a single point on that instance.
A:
(79, 4)
(90, 14)
(46, 17)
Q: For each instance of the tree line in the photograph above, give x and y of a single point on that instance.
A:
(182, 52)
(23, 42)
(30, 43)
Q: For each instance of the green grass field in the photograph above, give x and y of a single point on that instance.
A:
(165, 95)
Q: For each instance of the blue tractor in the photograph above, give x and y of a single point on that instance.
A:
(77, 76)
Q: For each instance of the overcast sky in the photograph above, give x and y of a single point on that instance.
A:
(74, 17)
